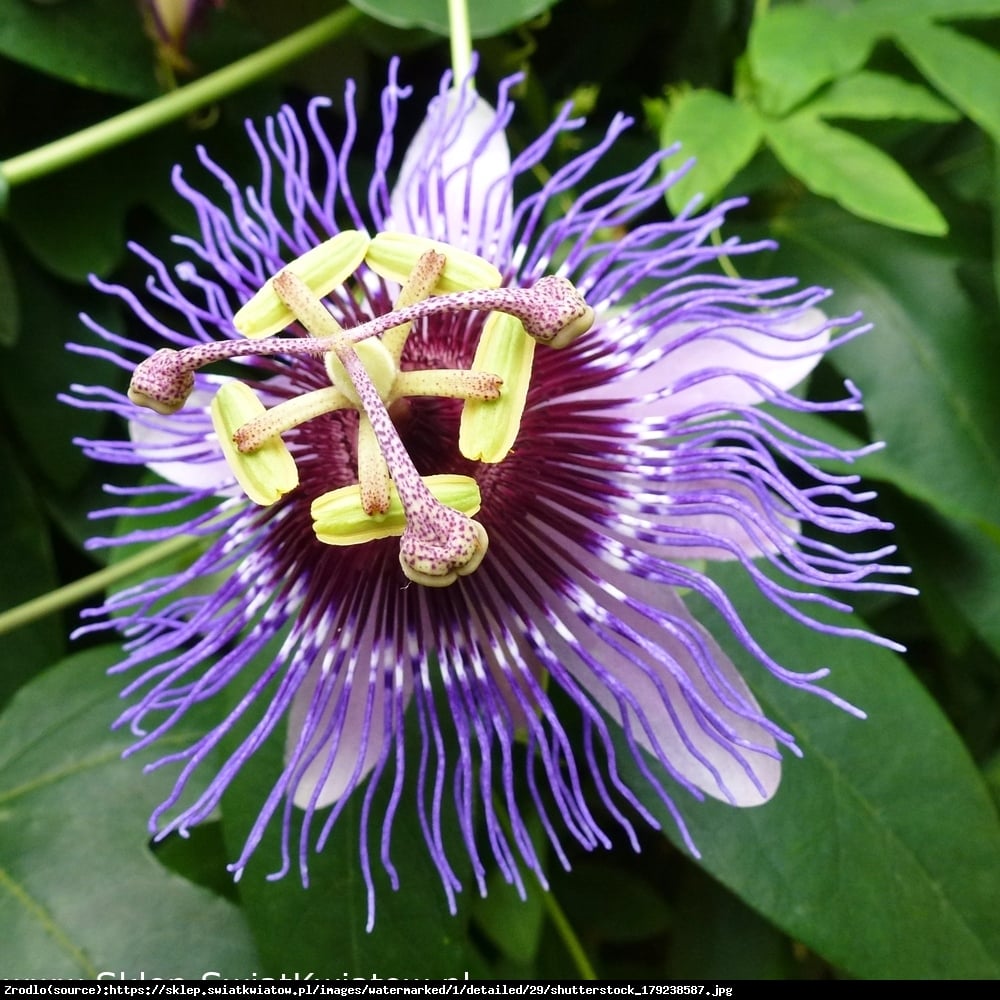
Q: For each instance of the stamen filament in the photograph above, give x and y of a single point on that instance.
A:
(284, 416)
(419, 286)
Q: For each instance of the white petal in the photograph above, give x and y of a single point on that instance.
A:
(662, 717)
(725, 527)
(733, 350)
(454, 184)
(684, 369)
(181, 447)
(355, 743)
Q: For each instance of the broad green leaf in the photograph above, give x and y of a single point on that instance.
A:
(951, 554)
(991, 773)
(928, 369)
(73, 222)
(719, 132)
(793, 50)
(80, 891)
(10, 311)
(29, 572)
(39, 366)
(963, 69)
(631, 908)
(886, 465)
(963, 563)
(486, 17)
(322, 928)
(201, 857)
(856, 174)
(995, 201)
(97, 44)
(879, 851)
(513, 925)
(915, 10)
(716, 935)
(879, 95)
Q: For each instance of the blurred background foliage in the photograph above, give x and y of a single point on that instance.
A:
(866, 134)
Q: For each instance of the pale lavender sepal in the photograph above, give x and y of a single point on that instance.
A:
(454, 181)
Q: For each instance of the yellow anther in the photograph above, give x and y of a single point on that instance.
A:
(323, 268)
(288, 414)
(339, 517)
(394, 256)
(266, 474)
(378, 362)
(489, 427)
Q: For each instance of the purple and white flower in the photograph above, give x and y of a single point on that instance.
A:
(603, 472)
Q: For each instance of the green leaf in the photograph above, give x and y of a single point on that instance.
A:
(73, 221)
(81, 892)
(513, 925)
(73, 236)
(879, 95)
(839, 165)
(10, 310)
(959, 557)
(995, 202)
(720, 133)
(486, 17)
(630, 908)
(928, 370)
(945, 10)
(97, 44)
(963, 69)
(964, 563)
(717, 936)
(793, 50)
(879, 850)
(38, 367)
(24, 541)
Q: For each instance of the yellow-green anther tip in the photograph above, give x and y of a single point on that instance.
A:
(323, 268)
(266, 474)
(393, 256)
(378, 362)
(340, 519)
(489, 428)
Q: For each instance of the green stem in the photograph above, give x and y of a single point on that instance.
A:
(554, 911)
(568, 936)
(56, 600)
(725, 261)
(178, 103)
(461, 39)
